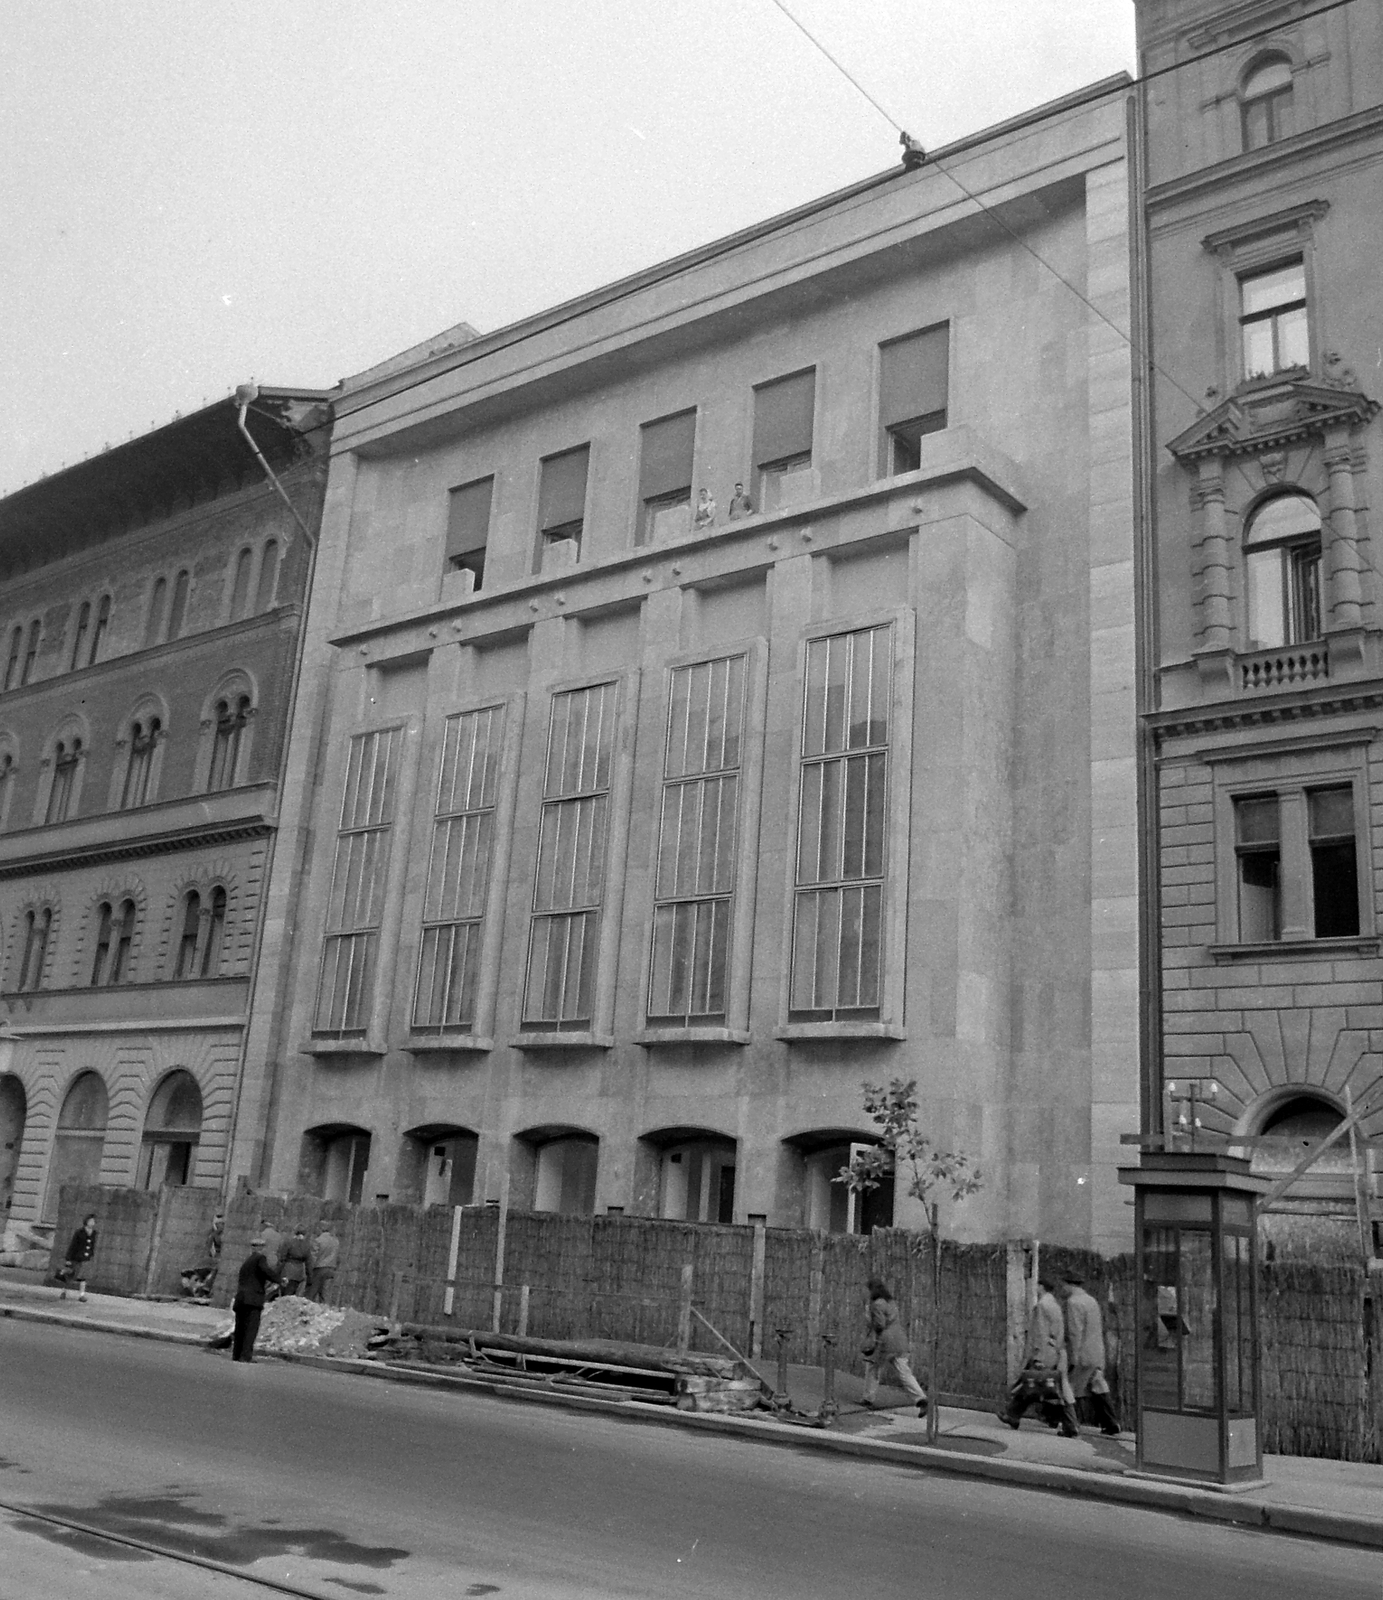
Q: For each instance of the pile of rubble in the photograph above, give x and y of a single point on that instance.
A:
(293, 1325)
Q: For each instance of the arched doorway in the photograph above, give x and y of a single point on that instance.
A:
(696, 1180)
(13, 1110)
(172, 1128)
(80, 1139)
(334, 1161)
(437, 1165)
(1289, 1125)
(564, 1171)
(829, 1205)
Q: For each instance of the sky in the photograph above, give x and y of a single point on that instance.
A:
(192, 195)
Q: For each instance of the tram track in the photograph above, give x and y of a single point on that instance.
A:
(164, 1552)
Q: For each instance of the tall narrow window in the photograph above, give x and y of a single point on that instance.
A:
(79, 640)
(240, 591)
(564, 934)
(1266, 102)
(177, 614)
(666, 449)
(562, 498)
(98, 637)
(123, 937)
(1258, 848)
(468, 527)
(837, 938)
(696, 844)
(215, 933)
(101, 963)
(31, 652)
(268, 576)
(6, 785)
(912, 396)
(37, 926)
(784, 415)
(458, 872)
(1273, 320)
(158, 601)
(144, 737)
(231, 717)
(1334, 873)
(357, 883)
(1282, 558)
(16, 654)
(66, 755)
(191, 933)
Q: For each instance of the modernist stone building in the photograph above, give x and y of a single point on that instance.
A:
(721, 694)
(1264, 681)
(151, 599)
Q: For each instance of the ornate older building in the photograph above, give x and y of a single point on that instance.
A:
(151, 600)
(725, 696)
(1263, 696)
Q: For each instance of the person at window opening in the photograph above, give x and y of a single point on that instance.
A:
(740, 503)
(322, 1262)
(80, 1250)
(1085, 1353)
(886, 1346)
(705, 510)
(1044, 1378)
(297, 1252)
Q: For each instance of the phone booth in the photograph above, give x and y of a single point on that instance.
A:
(1198, 1381)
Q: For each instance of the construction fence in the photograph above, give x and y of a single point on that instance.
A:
(620, 1278)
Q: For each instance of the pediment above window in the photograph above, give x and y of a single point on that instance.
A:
(1263, 415)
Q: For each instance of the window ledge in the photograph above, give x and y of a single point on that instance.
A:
(1362, 944)
(342, 1047)
(807, 1031)
(428, 1043)
(562, 1041)
(674, 1036)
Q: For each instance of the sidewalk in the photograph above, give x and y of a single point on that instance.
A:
(1337, 1500)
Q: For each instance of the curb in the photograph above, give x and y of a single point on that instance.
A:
(1181, 1500)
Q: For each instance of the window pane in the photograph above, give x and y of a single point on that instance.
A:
(1332, 812)
(1258, 349)
(1258, 820)
(1280, 287)
(1294, 345)
(1259, 899)
(1267, 628)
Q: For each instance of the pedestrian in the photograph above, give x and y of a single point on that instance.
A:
(80, 1249)
(273, 1241)
(1043, 1378)
(885, 1346)
(322, 1262)
(198, 1281)
(251, 1292)
(297, 1252)
(1085, 1353)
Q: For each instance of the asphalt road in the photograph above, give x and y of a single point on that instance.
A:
(346, 1486)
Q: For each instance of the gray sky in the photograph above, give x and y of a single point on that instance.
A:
(193, 194)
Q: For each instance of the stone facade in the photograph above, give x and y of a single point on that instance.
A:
(578, 1039)
(151, 599)
(1262, 695)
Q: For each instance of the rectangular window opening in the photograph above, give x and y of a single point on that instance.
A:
(784, 420)
(1273, 320)
(666, 451)
(562, 500)
(913, 385)
(1334, 868)
(1259, 854)
(468, 527)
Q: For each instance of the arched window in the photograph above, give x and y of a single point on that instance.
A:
(67, 755)
(1266, 102)
(80, 1138)
(240, 593)
(38, 924)
(697, 1176)
(153, 628)
(191, 932)
(215, 931)
(139, 786)
(16, 650)
(178, 614)
(565, 1173)
(79, 639)
(172, 1128)
(6, 785)
(31, 653)
(231, 717)
(268, 575)
(114, 938)
(1282, 559)
(98, 638)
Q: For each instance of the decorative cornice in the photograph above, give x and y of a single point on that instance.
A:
(1225, 716)
(1309, 213)
(135, 849)
(1263, 417)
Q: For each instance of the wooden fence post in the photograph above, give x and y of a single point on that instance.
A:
(449, 1303)
(816, 1278)
(523, 1312)
(165, 1200)
(1016, 1301)
(756, 1293)
(499, 1251)
(684, 1312)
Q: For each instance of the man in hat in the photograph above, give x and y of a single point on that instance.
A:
(250, 1294)
(1085, 1344)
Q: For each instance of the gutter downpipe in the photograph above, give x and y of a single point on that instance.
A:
(245, 395)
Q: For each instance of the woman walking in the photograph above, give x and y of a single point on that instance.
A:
(886, 1345)
(79, 1253)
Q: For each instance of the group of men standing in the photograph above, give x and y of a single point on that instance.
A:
(293, 1265)
(1064, 1358)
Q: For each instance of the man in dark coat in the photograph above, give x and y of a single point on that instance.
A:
(80, 1250)
(250, 1294)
